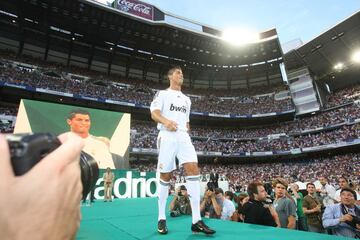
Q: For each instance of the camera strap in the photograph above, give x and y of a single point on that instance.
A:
(344, 211)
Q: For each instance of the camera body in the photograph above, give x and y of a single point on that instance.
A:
(26, 150)
(356, 219)
(211, 186)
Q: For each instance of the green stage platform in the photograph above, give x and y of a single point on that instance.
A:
(135, 219)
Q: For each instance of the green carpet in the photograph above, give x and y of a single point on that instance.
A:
(137, 219)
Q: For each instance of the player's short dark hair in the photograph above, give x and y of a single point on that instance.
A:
(310, 183)
(172, 70)
(350, 191)
(73, 112)
(253, 189)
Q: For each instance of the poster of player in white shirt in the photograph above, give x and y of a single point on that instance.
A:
(106, 133)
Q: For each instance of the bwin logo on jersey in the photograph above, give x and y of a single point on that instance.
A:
(177, 109)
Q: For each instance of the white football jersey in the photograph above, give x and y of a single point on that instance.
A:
(173, 105)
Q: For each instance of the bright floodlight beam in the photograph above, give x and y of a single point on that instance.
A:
(339, 66)
(356, 56)
(240, 37)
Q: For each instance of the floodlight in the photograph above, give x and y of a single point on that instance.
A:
(238, 37)
(339, 66)
(356, 56)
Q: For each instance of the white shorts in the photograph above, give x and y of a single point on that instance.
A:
(174, 144)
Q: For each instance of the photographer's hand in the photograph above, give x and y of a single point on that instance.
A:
(44, 203)
(346, 218)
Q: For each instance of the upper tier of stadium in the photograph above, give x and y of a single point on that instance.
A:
(111, 40)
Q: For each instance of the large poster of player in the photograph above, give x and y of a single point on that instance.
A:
(106, 133)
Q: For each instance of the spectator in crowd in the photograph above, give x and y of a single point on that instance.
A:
(139, 92)
(344, 183)
(343, 96)
(298, 197)
(284, 206)
(144, 138)
(312, 210)
(226, 204)
(327, 192)
(305, 170)
(180, 204)
(255, 211)
(241, 199)
(343, 218)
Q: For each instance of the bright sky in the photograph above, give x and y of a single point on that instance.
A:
(304, 19)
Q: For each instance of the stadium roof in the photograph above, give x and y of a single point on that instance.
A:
(89, 30)
(330, 48)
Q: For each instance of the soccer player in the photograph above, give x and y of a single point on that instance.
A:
(80, 123)
(171, 110)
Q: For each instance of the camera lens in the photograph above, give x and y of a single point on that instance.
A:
(89, 172)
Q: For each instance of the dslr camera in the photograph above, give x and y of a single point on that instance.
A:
(26, 150)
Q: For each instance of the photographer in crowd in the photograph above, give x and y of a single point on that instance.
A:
(209, 206)
(344, 218)
(180, 204)
(215, 205)
(51, 191)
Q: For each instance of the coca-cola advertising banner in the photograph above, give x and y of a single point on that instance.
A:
(137, 8)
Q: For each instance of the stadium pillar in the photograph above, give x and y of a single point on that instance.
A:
(229, 78)
(111, 58)
(144, 72)
(267, 74)
(72, 38)
(127, 67)
(247, 77)
(20, 22)
(46, 53)
(161, 74)
(91, 56)
(191, 74)
(47, 30)
(211, 79)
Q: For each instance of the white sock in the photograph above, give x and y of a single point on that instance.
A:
(163, 193)
(193, 189)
